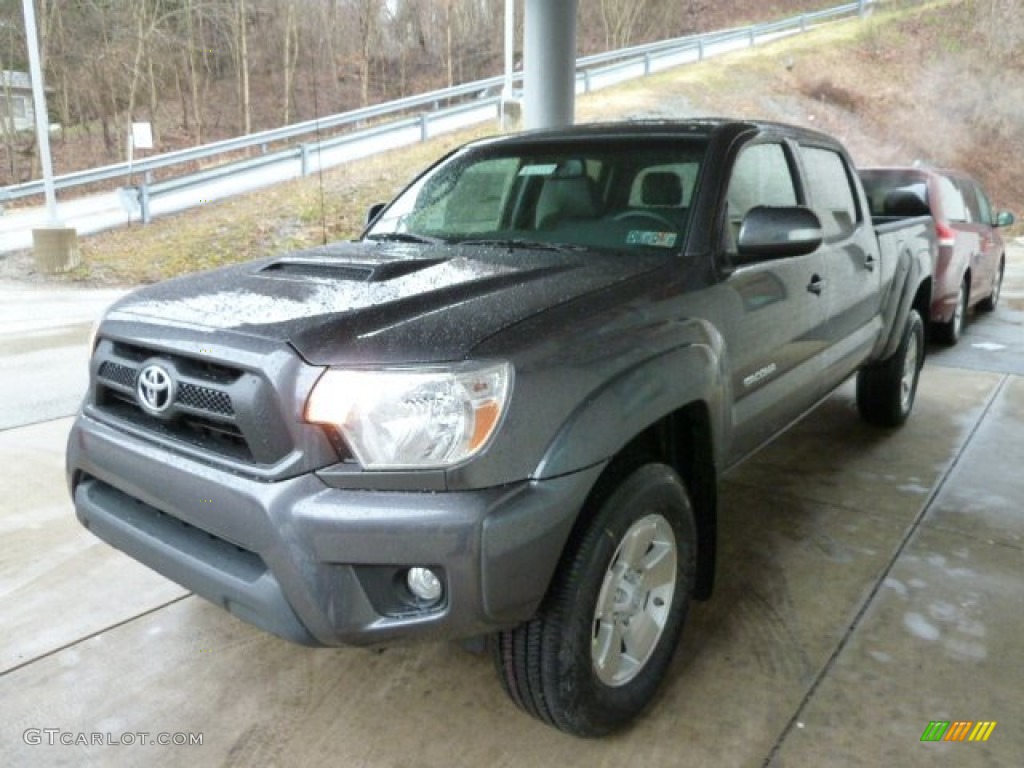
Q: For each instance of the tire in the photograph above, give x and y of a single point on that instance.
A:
(990, 302)
(594, 655)
(949, 333)
(886, 391)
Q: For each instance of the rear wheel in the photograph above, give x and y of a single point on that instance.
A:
(595, 654)
(886, 391)
(951, 331)
(989, 303)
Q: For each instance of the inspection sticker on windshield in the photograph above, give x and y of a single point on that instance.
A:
(540, 169)
(657, 239)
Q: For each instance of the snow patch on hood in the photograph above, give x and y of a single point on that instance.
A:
(225, 309)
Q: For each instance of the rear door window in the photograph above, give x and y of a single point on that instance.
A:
(954, 208)
(831, 192)
(761, 176)
(968, 193)
(984, 207)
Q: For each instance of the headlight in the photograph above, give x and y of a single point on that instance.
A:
(413, 418)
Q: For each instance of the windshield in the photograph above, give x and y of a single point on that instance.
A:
(621, 194)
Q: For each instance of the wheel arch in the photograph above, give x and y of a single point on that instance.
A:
(683, 440)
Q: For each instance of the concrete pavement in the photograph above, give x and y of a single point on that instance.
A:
(43, 356)
(869, 583)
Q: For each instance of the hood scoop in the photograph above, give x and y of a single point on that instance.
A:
(320, 270)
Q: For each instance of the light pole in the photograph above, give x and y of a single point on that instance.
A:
(39, 107)
(510, 48)
(55, 246)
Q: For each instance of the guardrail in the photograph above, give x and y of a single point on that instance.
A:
(308, 157)
(593, 72)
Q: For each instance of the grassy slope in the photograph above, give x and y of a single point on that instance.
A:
(898, 87)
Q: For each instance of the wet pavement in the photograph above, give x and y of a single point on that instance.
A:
(43, 359)
(869, 583)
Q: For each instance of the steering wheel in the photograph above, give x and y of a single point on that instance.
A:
(663, 220)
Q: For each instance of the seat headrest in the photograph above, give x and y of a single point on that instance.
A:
(904, 202)
(572, 197)
(662, 188)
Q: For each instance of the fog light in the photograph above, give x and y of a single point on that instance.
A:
(424, 584)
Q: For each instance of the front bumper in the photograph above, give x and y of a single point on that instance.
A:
(320, 565)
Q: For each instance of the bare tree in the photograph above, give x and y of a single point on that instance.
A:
(290, 58)
(242, 65)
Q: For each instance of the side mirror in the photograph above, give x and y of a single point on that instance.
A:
(1004, 219)
(374, 212)
(775, 233)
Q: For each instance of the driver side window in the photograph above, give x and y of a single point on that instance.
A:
(761, 176)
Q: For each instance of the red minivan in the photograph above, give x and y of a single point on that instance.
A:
(972, 256)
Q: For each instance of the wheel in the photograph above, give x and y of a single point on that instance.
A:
(595, 653)
(653, 216)
(950, 332)
(886, 391)
(989, 303)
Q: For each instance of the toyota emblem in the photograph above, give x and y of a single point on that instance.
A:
(155, 389)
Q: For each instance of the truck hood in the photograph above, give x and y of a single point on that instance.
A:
(362, 302)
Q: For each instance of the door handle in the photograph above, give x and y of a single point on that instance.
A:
(816, 286)
(869, 263)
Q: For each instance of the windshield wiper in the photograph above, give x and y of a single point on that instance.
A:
(517, 243)
(404, 237)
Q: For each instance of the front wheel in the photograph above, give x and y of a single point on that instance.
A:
(595, 654)
(886, 391)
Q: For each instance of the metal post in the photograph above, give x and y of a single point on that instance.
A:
(304, 160)
(39, 107)
(424, 127)
(510, 48)
(862, 8)
(144, 198)
(508, 112)
(550, 63)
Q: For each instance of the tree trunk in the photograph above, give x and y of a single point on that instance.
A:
(139, 11)
(243, 69)
(449, 53)
(154, 101)
(291, 57)
(368, 31)
(192, 43)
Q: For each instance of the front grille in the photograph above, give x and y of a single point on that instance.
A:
(205, 399)
(222, 439)
(118, 374)
(215, 409)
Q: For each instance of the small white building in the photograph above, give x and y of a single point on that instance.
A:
(16, 109)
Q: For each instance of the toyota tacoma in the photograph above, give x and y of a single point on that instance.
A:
(503, 410)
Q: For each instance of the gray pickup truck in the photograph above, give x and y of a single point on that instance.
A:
(502, 412)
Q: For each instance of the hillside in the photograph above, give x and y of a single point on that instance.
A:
(905, 85)
(927, 84)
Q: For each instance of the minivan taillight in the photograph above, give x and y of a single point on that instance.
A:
(947, 235)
